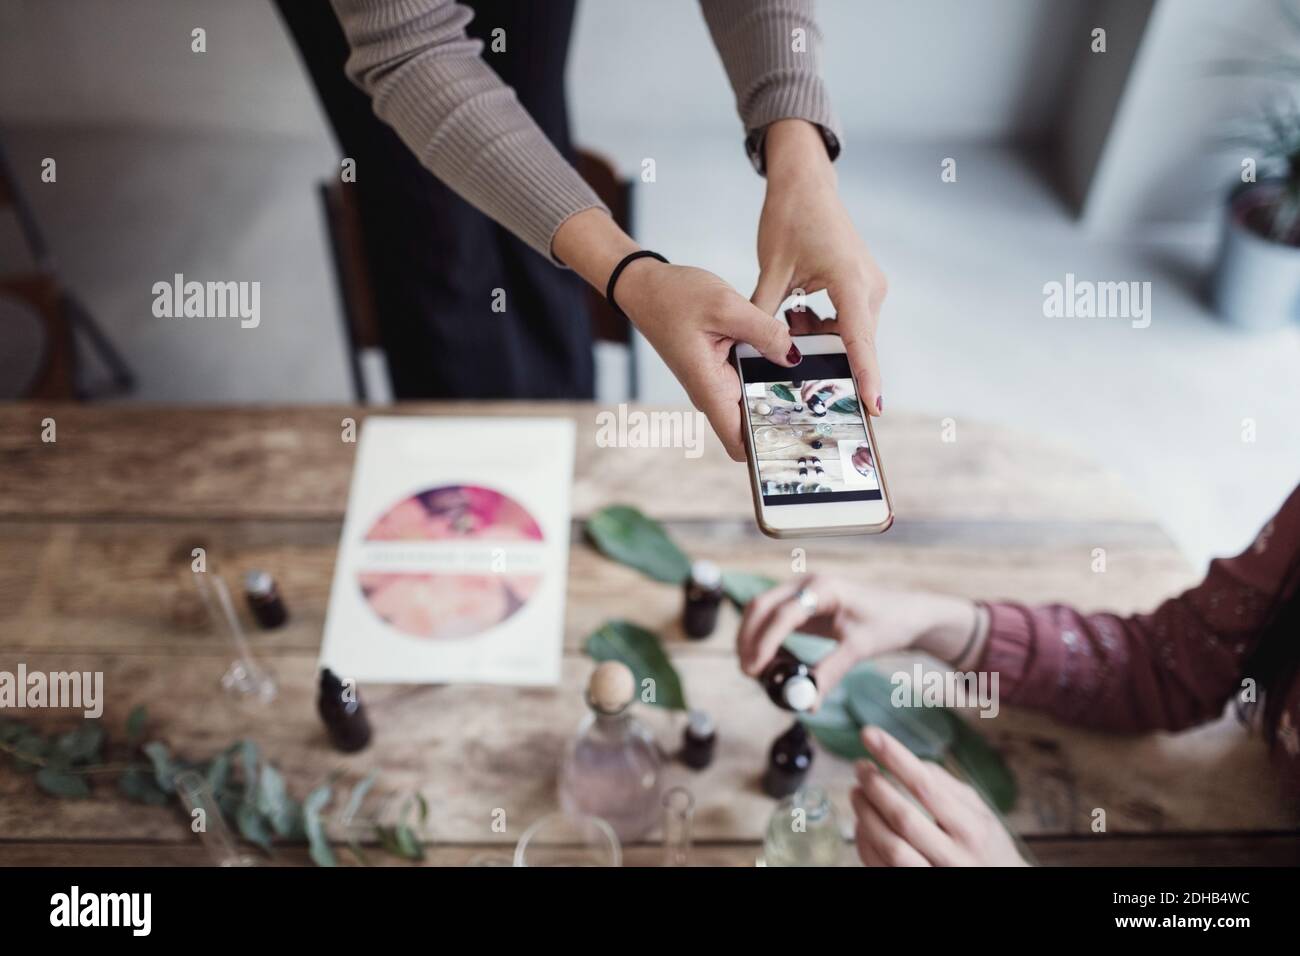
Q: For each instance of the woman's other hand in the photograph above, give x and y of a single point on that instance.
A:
(959, 830)
(865, 620)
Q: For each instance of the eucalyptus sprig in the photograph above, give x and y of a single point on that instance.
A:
(250, 792)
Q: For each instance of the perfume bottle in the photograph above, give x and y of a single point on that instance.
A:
(264, 600)
(344, 716)
(789, 682)
(611, 769)
(703, 598)
(698, 739)
(803, 831)
(788, 762)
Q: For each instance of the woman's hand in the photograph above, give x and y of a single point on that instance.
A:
(806, 240)
(892, 830)
(865, 620)
(691, 317)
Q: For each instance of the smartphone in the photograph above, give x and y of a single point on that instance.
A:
(813, 460)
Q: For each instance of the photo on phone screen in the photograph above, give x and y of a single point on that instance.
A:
(810, 441)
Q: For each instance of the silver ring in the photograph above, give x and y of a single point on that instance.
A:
(807, 600)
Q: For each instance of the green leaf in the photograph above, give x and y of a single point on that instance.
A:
(135, 723)
(82, 745)
(60, 783)
(31, 750)
(358, 796)
(983, 765)
(741, 587)
(640, 650)
(626, 535)
(164, 769)
(809, 648)
(783, 392)
(409, 842)
(11, 730)
(248, 760)
(423, 804)
(274, 802)
(835, 728)
(140, 786)
(926, 731)
(218, 772)
(322, 853)
(253, 826)
(849, 406)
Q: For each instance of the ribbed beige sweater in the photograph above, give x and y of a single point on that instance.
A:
(428, 82)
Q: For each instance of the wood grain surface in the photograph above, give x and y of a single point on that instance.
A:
(96, 531)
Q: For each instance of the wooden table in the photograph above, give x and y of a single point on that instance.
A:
(96, 531)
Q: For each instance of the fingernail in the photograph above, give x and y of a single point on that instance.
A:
(880, 405)
(794, 356)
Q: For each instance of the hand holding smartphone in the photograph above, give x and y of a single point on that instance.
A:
(814, 465)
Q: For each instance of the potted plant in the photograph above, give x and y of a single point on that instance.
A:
(1256, 281)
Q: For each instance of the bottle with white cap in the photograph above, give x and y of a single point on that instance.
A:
(703, 598)
(612, 767)
(789, 682)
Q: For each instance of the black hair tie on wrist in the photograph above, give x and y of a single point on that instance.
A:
(623, 263)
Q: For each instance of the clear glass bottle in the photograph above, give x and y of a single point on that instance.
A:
(804, 831)
(612, 767)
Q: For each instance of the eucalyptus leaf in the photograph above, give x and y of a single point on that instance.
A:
(641, 651)
(163, 768)
(926, 731)
(248, 761)
(135, 723)
(741, 587)
(82, 745)
(274, 802)
(783, 392)
(849, 406)
(834, 727)
(140, 786)
(358, 797)
(253, 826)
(983, 765)
(11, 730)
(809, 648)
(31, 750)
(60, 783)
(322, 853)
(408, 843)
(218, 772)
(623, 533)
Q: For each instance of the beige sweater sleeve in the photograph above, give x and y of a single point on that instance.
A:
(428, 81)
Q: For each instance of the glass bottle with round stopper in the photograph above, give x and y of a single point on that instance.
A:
(612, 768)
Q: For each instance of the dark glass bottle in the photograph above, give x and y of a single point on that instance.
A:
(264, 599)
(345, 720)
(788, 762)
(703, 598)
(789, 682)
(698, 740)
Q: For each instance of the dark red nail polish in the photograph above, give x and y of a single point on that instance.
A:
(794, 356)
(880, 404)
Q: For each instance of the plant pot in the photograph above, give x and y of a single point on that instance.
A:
(1256, 282)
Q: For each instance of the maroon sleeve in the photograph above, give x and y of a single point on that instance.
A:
(1172, 668)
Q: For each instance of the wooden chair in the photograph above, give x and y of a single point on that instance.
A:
(42, 319)
(360, 313)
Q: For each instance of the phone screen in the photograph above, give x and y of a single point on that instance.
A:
(810, 440)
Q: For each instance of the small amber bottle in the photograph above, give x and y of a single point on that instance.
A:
(698, 740)
(788, 762)
(344, 716)
(789, 682)
(703, 598)
(264, 600)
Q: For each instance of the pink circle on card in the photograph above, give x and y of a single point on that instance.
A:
(489, 525)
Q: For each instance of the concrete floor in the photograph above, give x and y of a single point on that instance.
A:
(963, 333)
